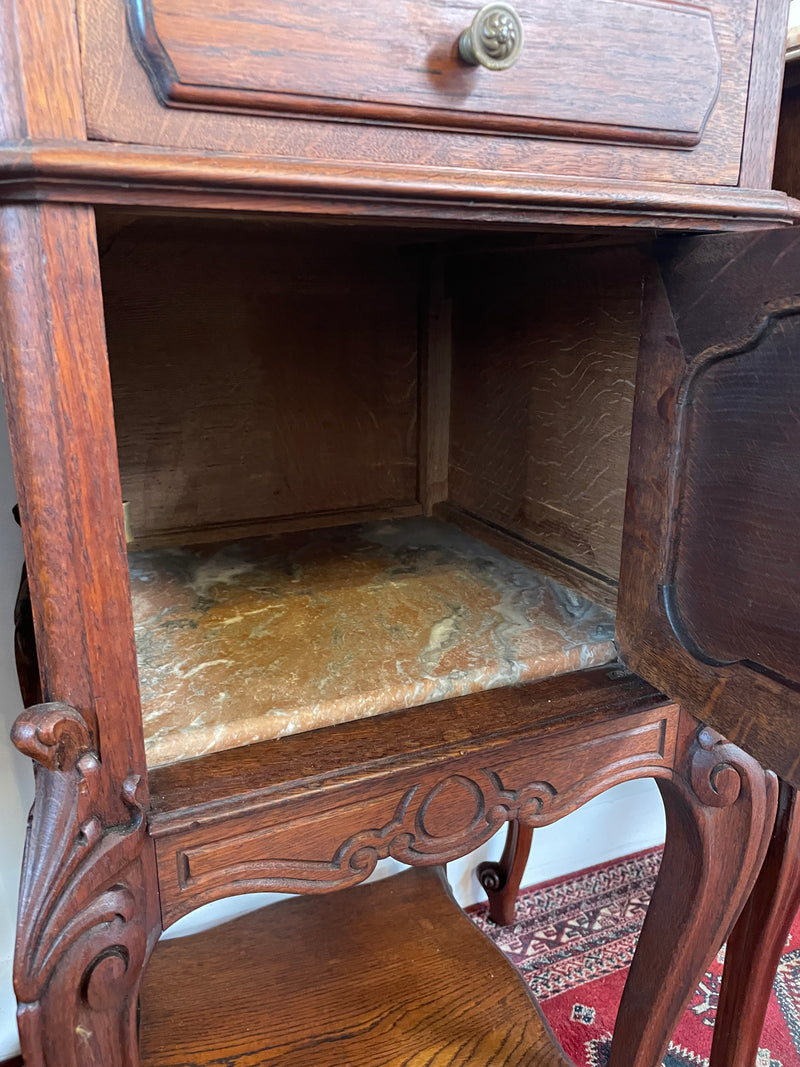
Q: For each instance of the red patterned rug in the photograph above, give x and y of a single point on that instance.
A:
(573, 942)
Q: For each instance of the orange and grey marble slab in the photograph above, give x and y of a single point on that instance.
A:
(256, 639)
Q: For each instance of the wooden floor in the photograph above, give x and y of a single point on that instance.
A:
(391, 974)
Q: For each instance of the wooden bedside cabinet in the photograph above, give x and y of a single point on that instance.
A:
(350, 320)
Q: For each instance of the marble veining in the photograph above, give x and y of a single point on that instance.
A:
(255, 639)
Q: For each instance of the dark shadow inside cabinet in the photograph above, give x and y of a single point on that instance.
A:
(363, 469)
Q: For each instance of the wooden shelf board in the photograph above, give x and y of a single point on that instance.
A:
(391, 974)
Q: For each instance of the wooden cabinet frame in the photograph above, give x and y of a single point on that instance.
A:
(107, 866)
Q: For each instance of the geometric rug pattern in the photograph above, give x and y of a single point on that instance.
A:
(573, 941)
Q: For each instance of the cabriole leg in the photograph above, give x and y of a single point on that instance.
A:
(501, 881)
(720, 806)
(758, 939)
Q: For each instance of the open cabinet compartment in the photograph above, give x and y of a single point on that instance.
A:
(364, 470)
(314, 812)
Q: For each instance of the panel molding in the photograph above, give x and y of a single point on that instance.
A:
(665, 105)
(421, 816)
(689, 630)
(99, 173)
(705, 298)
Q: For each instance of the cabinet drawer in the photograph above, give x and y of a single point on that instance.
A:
(633, 71)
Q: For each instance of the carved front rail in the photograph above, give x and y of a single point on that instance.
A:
(319, 834)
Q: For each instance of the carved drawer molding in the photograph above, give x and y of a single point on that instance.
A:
(632, 71)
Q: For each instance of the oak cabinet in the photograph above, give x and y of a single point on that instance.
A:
(386, 471)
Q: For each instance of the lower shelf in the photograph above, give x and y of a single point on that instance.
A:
(254, 640)
(391, 974)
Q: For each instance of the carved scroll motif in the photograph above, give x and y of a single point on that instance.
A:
(76, 909)
(484, 807)
(718, 769)
(431, 826)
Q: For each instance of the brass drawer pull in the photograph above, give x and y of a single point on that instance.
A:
(494, 40)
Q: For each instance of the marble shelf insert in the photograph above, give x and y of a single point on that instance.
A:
(255, 639)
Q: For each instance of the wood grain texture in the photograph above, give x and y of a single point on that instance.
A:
(764, 94)
(58, 401)
(246, 365)
(720, 806)
(77, 965)
(402, 65)
(714, 295)
(391, 973)
(41, 85)
(758, 940)
(436, 331)
(734, 572)
(98, 173)
(122, 107)
(543, 396)
(501, 881)
(88, 913)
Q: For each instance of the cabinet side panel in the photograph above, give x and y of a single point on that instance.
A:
(543, 395)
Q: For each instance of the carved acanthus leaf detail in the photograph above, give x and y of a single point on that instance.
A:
(73, 897)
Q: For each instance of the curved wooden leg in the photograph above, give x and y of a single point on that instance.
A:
(720, 808)
(758, 939)
(501, 880)
(88, 911)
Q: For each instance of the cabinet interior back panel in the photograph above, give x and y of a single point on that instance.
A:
(258, 375)
(544, 355)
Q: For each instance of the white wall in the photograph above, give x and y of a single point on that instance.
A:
(16, 778)
(793, 39)
(624, 820)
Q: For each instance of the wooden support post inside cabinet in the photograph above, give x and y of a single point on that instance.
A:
(435, 357)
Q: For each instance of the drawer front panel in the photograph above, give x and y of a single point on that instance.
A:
(637, 71)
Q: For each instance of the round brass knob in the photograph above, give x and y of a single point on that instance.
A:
(494, 40)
